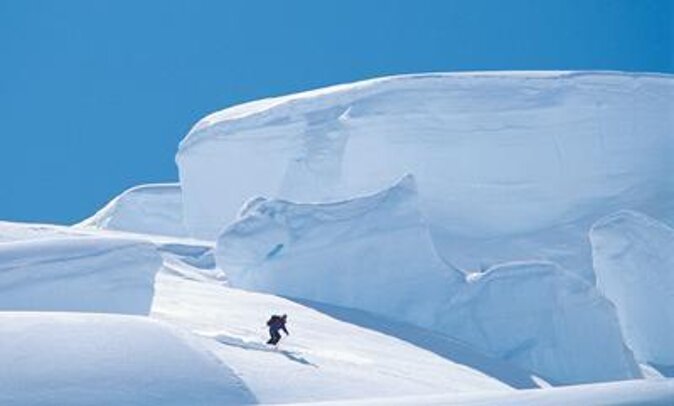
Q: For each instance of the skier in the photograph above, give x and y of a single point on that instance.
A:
(275, 324)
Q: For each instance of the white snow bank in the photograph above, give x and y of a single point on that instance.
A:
(12, 231)
(633, 257)
(322, 358)
(651, 393)
(89, 274)
(544, 319)
(86, 359)
(147, 209)
(509, 165)
(372, 253)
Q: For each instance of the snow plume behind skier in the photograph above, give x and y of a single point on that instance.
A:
(275, 324)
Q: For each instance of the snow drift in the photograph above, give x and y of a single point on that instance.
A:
(539, 316)
(87, 274)
(148, 209)
(374, 253)
(86, 359)
(633, 257)
(509, 165)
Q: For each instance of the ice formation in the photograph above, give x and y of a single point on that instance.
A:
(374, 253)
(633, 257)
(543, 318)
(55, 359)
(86, 274)
(149, 209)
(509, 165)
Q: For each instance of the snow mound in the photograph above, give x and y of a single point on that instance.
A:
(537, 316)
(91, 274)
(633, 257)
(372, 253)
(508, 165)
(86, 359)
(146, 209)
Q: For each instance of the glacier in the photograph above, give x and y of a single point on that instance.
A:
(509, 165)
(633, 257)
(374, 253)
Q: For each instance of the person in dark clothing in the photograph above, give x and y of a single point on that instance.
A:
(275, 324)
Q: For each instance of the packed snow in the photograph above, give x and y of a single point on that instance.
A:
(509, 166)
(147, 209)
(322, 358)
(93, 359)
(633, 257)
(92, 274)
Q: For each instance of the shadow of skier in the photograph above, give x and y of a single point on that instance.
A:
(253, 346)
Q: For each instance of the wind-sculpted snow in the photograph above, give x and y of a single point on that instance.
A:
(544, 319)
(56, 359)
(374, 253)
(509, 165)
(87, 274)
(148, 209)
(633, 257)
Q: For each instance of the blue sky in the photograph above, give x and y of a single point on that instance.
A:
(95, 94)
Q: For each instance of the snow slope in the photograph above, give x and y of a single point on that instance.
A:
(148, 209)
(374, 253)
(93, 359)
(643, 393)
(509, 165)
(322, 358)
(633, 257)
(85, 274)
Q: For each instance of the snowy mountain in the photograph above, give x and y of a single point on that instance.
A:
(476, 238)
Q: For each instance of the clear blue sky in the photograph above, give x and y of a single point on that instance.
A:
(95, 94)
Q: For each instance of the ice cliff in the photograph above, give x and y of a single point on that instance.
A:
(509, 165)
(374, 253)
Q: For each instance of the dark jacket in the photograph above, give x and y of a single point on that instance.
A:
(277, 323)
